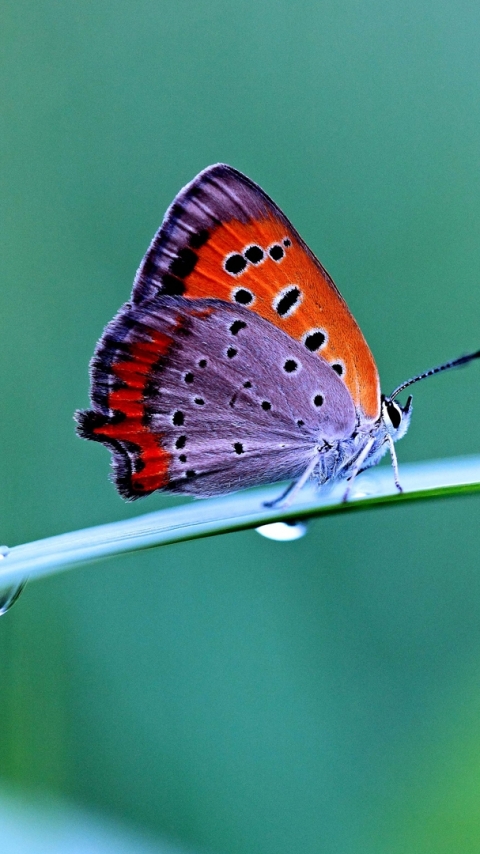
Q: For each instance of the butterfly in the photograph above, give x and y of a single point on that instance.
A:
(236, 361)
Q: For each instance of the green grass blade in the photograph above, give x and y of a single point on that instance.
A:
(236, 512)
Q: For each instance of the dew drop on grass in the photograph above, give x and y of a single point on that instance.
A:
(283, 532)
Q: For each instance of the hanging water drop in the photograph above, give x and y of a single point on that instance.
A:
(283, 532)
(9, 595)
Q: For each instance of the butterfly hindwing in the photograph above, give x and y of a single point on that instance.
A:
(204, 397)
(224, 238)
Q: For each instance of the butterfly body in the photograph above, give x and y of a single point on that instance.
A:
(236, 362)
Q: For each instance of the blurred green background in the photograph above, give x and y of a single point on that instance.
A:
(233, 694)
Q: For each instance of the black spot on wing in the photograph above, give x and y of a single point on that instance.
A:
(184, 263)
(235, 264)
(254, 254)
(199, 239)
(243, 297)
(236, 326)
(286, 302)
(172, 286)
(314, 340)
(276, 252)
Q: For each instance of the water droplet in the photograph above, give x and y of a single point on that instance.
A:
(9, 595)
(283, 532)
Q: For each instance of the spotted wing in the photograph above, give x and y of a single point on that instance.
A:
(224, 238)
(205, 397)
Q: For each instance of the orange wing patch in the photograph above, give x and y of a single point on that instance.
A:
(291, 291)
(224, 238)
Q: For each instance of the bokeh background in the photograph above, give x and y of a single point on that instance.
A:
(234, 694)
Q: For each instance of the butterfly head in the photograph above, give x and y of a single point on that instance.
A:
(396, 418)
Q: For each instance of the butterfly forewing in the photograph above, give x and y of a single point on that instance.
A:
(224, 238)
(203, 397)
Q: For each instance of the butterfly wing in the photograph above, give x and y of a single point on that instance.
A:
(224, 238)
(205, 397)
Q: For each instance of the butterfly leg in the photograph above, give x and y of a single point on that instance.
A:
(357, 467)
(286, 498)
(393, 455)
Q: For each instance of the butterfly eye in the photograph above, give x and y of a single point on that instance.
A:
(394, 413)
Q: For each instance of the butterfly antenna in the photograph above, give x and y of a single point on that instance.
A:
(463, 360)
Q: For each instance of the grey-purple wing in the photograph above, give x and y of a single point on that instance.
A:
(204, 397)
